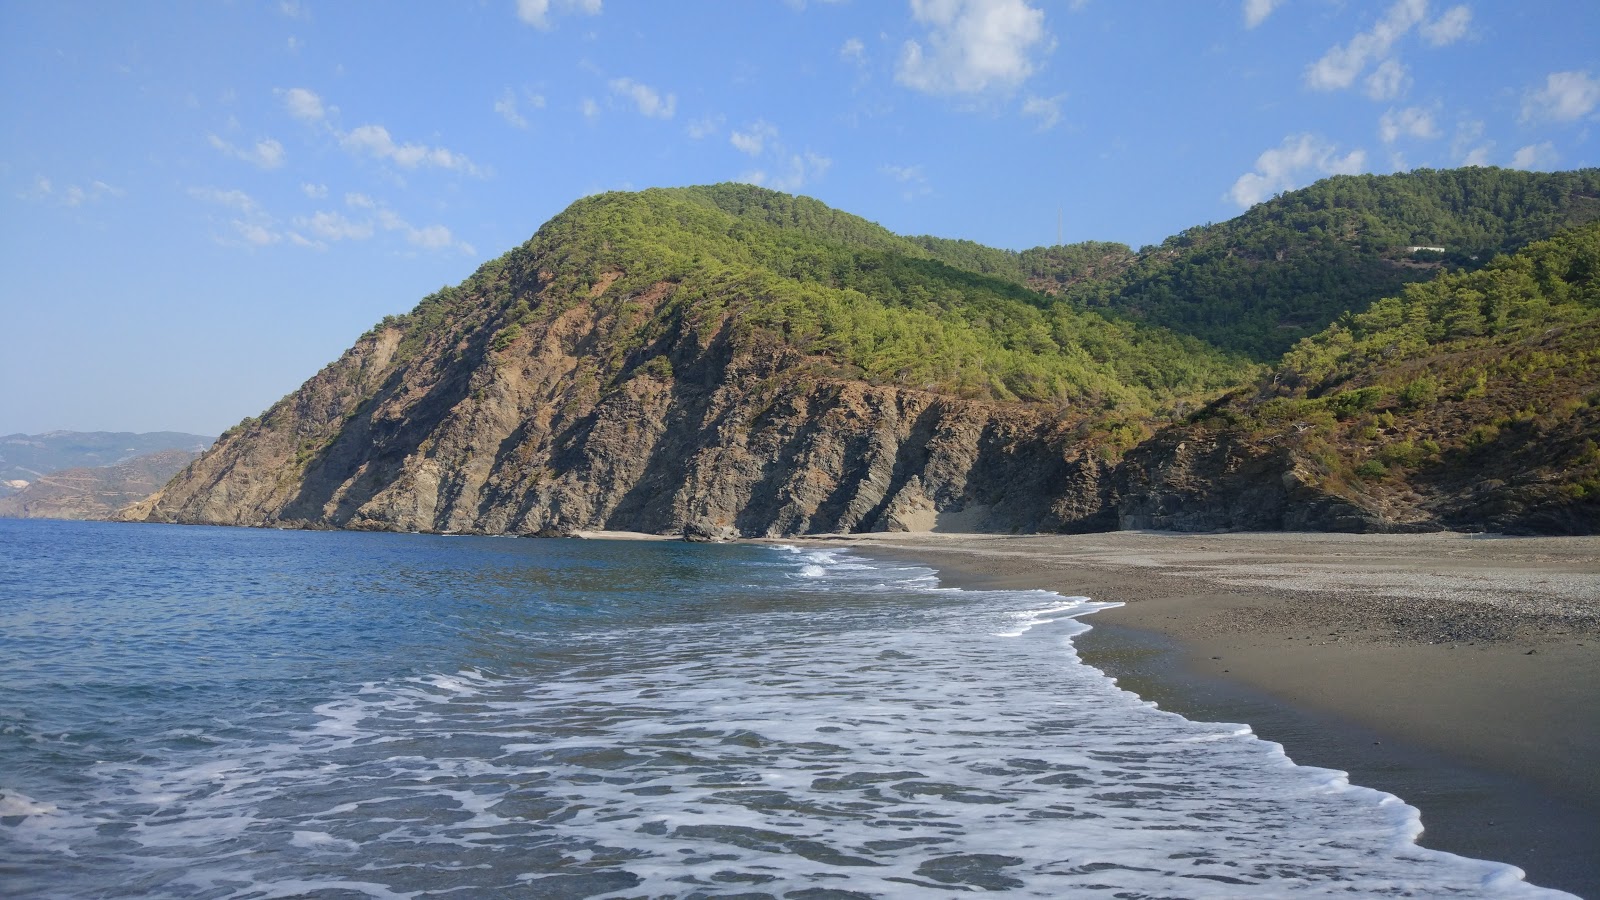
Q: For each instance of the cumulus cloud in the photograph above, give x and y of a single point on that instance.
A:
(537, 12)
(754, 139)
(913, 182)
(1536, 156)
(1411, 122)
(1565, 97)
(1285, 166)
(646, 99)
(314, 191)
(791, 172)
(972, 46)
(1046, 109)
(506, 106)
(1469, 132)
(1388, 81)
(1448, 28)
(1339, 67)
(304, 104)
(780, 169)
(248, 223)
(589, 108)
(704, 127)
(332, 226)
(375, 141)
(1256, 11)
(853, 50)
(266, 154)
(374, 218)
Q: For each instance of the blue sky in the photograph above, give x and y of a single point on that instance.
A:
(204, 203)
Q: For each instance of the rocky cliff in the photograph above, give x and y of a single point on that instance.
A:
(729, 361)
(709, 429)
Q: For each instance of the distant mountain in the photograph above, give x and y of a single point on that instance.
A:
(731, 360)
(25, 457)
(94, 492)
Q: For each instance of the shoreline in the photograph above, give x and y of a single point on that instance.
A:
(1460, 673)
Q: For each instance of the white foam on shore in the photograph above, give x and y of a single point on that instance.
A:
(911, 740)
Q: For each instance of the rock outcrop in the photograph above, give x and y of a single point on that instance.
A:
(721, 362)
(703, 429)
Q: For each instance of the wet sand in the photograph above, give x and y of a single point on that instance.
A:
(1460, 672)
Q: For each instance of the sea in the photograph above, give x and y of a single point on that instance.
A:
(237, 713)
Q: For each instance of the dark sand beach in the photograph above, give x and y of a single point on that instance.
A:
(1460, 672)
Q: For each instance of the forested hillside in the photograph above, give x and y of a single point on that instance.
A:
(1288, 267)
(864, 302)
(1469, 401)
(732, 360)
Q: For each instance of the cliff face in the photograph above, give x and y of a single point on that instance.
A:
(729, 361)
(699, 426)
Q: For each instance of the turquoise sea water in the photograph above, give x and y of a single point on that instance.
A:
(213, 712)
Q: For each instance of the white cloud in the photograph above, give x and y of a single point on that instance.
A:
(251, 224)
(589, 108)
(754, 139)
(537, 12)
(1256, 11)
(314, 191)
(332, 226)
(1448, 28)
(704, 127)
(783, 171)
(293, 9)
(1566, 96)
(1411, 122)
(1468, 133)
(1338, 68)
(1046, 109)
(1388, 81)
(304, 105)
(428, 237)
(794, 172)
(913, 181)
(328, 226)
(645, 98)
(233, 199)
(1283, 167)
(903, 173)
(375, 141)
(852, 50)
(973, 46)
(44, 189)
(1536, 156)
(506, 106)
(293, 44)
(256, 234)
(267, 154)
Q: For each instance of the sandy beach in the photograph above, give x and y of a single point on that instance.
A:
(1460, 672)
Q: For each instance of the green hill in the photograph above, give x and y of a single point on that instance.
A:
(864, 302)
(1288, 267)
(1471, 401)
(731, 360)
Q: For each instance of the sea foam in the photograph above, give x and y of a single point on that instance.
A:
(856, 730)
